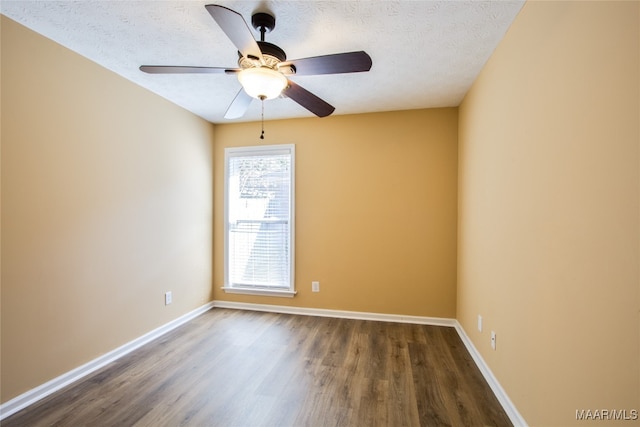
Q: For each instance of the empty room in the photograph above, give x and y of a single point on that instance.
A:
(320, 213)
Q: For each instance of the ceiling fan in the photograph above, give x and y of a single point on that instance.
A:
(263, 67)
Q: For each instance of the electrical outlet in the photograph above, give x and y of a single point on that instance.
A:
(479, 323)
(315, 286)
(168, 298)
(493, 340)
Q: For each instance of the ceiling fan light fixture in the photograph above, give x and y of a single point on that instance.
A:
(262, 82)
(263, 67)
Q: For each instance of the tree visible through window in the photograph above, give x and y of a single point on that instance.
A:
(259, 218)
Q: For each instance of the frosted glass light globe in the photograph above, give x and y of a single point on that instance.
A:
(262, 82)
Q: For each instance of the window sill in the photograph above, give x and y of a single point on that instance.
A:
(257, 291)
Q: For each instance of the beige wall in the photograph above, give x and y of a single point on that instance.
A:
(549, 210)
(106, 204)
(375, 210)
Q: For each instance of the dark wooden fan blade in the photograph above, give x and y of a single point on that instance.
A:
(238, 106)
(349, 62)
(308, 100)
(236, 28)
(171, 69)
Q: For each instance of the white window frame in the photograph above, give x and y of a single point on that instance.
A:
(251, 289)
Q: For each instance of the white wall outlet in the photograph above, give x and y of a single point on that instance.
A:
(315, 286)
(168, 298)
(479, 323)
(493, 340)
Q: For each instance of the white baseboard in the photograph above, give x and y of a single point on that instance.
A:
(497, 389)
(32, 396)
(321, 312)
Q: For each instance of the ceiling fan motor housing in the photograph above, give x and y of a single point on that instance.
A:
(271, 53)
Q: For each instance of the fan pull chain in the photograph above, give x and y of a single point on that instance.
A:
(262, 101)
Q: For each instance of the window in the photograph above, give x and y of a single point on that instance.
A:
(259, 220)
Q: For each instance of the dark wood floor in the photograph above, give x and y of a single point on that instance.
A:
(242, 368)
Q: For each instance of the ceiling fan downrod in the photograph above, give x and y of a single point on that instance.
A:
(263, 22)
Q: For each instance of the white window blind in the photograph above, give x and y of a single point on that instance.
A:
(259, 218)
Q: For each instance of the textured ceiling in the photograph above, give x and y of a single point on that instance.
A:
(425, 53)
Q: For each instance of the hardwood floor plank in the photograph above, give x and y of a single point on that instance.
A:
(402, 389)
(240, 368)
